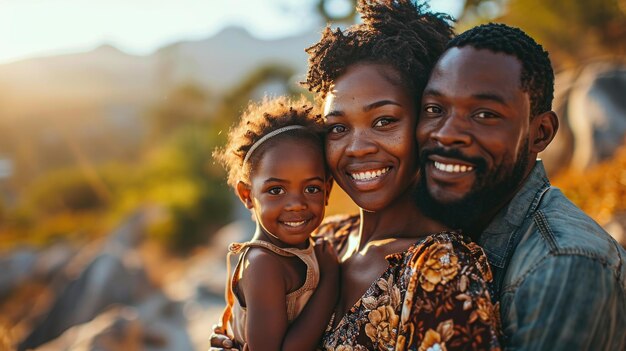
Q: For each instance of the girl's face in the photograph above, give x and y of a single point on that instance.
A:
(288, 191)
(370, 146)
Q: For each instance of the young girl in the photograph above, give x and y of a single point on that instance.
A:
(279, 297)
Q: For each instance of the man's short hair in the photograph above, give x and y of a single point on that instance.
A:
(537, 76)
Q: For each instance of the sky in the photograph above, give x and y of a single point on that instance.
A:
(31, 28)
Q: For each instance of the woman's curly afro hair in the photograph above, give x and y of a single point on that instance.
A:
(399, 33)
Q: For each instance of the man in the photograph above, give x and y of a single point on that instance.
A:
(486, 114)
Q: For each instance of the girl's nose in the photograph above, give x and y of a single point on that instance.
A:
(296, 203)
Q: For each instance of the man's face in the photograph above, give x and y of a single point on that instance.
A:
(473, 133)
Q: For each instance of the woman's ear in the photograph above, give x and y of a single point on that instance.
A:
(243, 191)
(543, 129)
(329, 186)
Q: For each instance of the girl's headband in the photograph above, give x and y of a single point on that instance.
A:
(266, 137)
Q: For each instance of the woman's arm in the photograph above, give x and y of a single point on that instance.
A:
(306, 330)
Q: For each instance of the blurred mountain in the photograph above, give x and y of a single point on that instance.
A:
(222, 61)
(56, 110)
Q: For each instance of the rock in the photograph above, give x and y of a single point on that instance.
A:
(592, 112)
(16, 267)
(617, 228)
(106, 281)
(157, 323)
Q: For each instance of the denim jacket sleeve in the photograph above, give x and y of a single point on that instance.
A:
(566, 302)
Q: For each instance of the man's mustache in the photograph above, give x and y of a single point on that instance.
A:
(479, 163)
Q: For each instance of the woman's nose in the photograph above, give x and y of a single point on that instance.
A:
(361, 144)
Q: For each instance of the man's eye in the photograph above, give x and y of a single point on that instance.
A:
(276, 191)
(383, 122)
(432, 109)
(484, 115)
(312, 189)
(337, 128)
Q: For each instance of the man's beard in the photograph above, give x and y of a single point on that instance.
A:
(488, 192)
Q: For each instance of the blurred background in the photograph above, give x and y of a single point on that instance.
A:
(114, 219)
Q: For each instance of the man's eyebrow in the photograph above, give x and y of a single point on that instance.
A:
(432, 92)
(379, 104)
(481, 96)
(491, 97)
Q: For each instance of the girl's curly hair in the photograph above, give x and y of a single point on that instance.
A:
(260, 119)
(399, 33)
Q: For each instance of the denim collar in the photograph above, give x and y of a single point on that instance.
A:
(498, 239)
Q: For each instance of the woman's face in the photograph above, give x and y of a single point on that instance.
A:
(371, 148)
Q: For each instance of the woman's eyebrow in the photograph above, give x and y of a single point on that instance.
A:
(379, 104)
(334, 113)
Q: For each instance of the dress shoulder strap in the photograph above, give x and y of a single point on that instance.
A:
(236, 248)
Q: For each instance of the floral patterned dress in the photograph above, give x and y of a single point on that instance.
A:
(434, 296)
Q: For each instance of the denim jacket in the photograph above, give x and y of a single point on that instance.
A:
(558, 275)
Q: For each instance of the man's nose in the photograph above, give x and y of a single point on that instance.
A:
(453, 130)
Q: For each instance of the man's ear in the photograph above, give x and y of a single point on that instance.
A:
(543, 128)
(329, 186)
(243, 191)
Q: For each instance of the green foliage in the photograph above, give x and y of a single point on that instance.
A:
(175, 174)
(64, 190)
(184, 105)
(180, 177)
(572, 31)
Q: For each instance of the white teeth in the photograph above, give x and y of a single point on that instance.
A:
(369, 175)
(294, 224)
(451, 168)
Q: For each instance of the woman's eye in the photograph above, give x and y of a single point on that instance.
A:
(338, 128)
(312, 189)
(276, 191)
(432, 109)
(383, 122)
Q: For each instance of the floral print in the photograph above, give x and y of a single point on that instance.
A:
(440, 266)
(432, 297)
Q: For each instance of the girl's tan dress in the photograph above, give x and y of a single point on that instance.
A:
(235, 314)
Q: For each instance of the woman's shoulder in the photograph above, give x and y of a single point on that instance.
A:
(447, 254)
(337, 228)
(447, 296)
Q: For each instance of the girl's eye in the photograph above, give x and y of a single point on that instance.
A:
(336, 129)
(383, 122)
(432, 109)
(312, 189)
(276, 191)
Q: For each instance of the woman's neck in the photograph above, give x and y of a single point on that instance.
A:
(401, 219)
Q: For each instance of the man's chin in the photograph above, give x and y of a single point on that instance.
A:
(456, 212)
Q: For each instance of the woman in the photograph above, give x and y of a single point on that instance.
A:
(402, 286)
